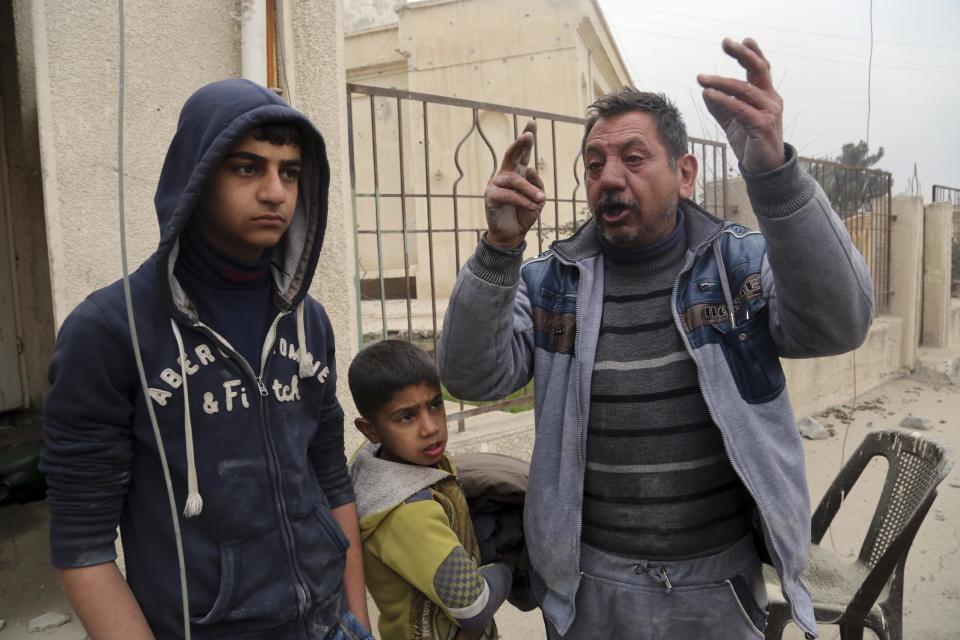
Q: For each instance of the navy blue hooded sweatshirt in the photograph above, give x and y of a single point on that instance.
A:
(264, 555)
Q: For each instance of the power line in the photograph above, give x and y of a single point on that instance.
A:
(713, 33)
(869, 74)
(764, 26)
(798, 55)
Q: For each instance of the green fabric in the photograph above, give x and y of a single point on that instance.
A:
(404, 549)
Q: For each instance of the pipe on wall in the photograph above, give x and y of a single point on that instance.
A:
(253, 41)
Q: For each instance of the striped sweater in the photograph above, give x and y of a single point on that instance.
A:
(658, 483)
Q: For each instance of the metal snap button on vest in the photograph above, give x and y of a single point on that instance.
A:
(742, 337)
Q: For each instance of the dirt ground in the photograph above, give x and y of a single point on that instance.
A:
(29, 588)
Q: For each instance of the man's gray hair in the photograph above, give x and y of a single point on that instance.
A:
(670, 126)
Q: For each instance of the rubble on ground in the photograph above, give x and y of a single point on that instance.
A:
(49, 620)
(916, 423)
(811, 429)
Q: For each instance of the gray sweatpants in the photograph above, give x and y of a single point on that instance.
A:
(717, 597)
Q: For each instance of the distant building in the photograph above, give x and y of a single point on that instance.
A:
(554, 56)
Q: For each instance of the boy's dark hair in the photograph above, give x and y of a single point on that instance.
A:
(278, 133)
(384, 368)
(670, 126)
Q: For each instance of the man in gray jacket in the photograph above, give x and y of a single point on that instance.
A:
(667, 461)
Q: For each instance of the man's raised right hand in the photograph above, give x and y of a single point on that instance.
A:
(514, 196)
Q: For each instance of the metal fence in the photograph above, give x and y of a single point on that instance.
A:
(418, 166)
(951, 195)
(862, 198)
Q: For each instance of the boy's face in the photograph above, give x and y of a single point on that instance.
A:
(412, 426)
(249, 201)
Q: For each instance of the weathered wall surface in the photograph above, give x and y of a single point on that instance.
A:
(906, 272)
(68, 54)
(953, 324)
(937, 233)
(172, 48)
(365, 14)
(818, 383)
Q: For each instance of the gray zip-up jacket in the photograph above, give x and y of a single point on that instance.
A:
(741, 300)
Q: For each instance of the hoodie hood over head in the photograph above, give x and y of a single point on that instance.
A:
(254, 449)
(213, 120)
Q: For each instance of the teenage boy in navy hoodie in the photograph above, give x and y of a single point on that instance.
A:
(239, 360)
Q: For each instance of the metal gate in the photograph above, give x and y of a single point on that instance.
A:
(418, 166)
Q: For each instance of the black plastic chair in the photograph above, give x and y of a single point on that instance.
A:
(868, 592)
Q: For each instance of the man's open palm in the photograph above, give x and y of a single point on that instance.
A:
(750, 111)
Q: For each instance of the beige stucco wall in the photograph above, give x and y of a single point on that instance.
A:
(953, 324)
(938, 231)
(172, 48)
(906, 271)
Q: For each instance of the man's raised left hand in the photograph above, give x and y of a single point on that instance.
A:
(750, 111)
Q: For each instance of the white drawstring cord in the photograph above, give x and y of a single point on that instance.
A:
(194, 504)
(128, 299)
(303, 356)
(724, 283)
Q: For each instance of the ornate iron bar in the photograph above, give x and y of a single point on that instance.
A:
(412, 215)
(951, 195)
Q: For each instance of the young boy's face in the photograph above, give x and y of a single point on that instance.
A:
(249, 201)
(412, 426)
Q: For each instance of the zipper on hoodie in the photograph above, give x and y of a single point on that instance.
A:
(581, 463)
(576, 359)
(775, 556)
(286, 530)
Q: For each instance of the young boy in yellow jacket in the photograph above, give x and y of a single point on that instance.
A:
(420, 553)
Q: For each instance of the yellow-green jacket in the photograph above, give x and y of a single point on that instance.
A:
(420, 552)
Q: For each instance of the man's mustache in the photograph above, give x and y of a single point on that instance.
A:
(613, 204)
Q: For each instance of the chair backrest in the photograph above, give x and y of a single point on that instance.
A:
(916, 465)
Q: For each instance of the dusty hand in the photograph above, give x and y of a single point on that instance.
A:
(514, 196)
(751, 111)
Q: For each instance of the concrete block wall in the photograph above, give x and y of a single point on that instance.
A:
(938, 232)
(953, 324)
(818, 383)
(906, 272)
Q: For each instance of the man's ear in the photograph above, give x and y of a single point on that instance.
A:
(365, 427)
(687, 171)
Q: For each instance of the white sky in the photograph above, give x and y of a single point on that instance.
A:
(819, 51)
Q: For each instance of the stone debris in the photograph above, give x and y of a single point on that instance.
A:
(49, 620)
(811, 429)
(845, 415)
(955, 482)
(939, 516)
(916, 423)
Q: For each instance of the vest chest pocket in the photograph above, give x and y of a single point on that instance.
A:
(555, 321)
(753, 360)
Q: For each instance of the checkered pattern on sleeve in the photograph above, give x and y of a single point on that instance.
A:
(457, 582)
